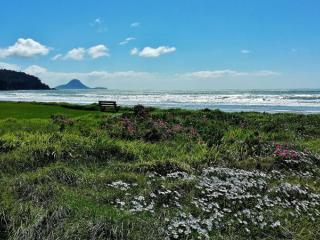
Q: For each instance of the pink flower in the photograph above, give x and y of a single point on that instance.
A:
(285, 153)
(176, 128)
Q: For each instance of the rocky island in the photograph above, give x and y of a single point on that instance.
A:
(73, 84)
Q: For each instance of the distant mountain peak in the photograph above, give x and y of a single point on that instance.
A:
(77, 81)
(73, 84)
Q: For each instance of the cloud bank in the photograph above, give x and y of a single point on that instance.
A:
(93, 78)
(139, 79)
(9, 66)
(24, 48)
(228, 73)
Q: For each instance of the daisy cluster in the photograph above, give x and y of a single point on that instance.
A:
(121, 185)
(224, 198)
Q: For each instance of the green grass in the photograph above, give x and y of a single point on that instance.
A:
(63, 167)
(33, 110)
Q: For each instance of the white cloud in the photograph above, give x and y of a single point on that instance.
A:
(98, 51)
(134, 51)
(9, 66)
(97, 21)
(75, 54)
(35, 70)
(228, 73)
(98, 25)
(57, 57)
(135, 24)
(80, 53)
(150, 52)
(127, 40)
(245, 51)
(24, 48)
(265, 73)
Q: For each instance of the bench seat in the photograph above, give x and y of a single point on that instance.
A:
(104, 105)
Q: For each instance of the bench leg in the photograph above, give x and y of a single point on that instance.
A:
(105, 108)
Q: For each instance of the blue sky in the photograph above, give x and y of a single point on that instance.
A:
(168, 44)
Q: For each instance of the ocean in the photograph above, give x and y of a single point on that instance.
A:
(298, 101)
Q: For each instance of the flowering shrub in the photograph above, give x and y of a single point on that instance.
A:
(128, 128)
(149, 129)
(283, 152)
(157, 130)
(177, 128)
(286, 157)
(153, 135)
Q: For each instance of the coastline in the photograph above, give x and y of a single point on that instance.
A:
(223, 108)
(298, 101)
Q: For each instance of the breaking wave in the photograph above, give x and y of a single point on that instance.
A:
(304, 101)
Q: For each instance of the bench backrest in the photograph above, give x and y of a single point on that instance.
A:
(107, 103)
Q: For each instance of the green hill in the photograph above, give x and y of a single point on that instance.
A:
(12, 80)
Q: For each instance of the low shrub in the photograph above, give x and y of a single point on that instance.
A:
(9, 142)
(141, 111)
(62, 121)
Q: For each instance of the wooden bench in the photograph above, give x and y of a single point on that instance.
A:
(106, 104)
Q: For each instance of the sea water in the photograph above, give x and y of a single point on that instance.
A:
(301, 101)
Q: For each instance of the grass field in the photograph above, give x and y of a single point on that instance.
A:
(34, 110)
(72, 172)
